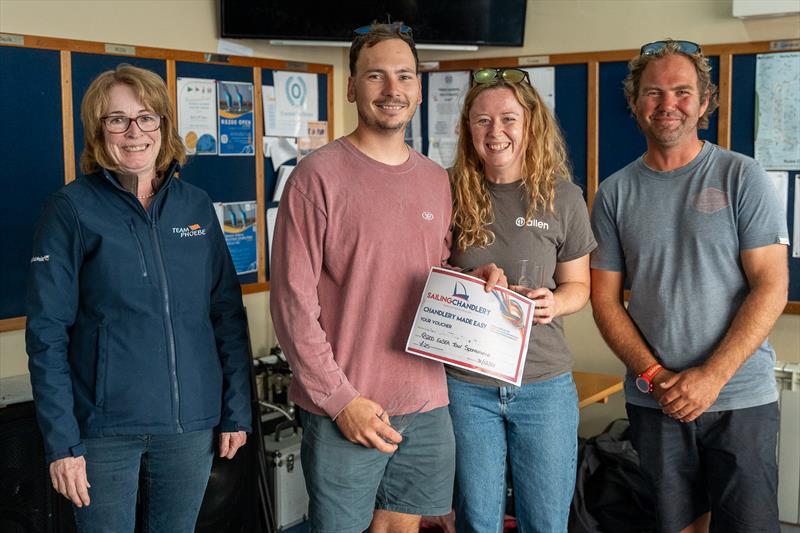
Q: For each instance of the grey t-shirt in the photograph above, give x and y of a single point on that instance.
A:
(677, 236)
(548, 238)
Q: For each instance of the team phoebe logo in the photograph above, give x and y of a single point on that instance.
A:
(193, 230)
(532, 223)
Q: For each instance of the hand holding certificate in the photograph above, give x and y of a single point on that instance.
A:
(460, 324)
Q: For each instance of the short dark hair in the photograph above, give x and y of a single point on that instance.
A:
(377, 33)
(701, 65)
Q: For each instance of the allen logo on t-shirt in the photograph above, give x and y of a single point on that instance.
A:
(532, 223)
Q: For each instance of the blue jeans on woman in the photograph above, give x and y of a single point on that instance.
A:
(535, 428)
(174, 469)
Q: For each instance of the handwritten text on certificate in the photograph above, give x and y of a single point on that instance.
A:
(460, 324)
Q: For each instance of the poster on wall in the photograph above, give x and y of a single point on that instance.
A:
(446, 92)
(238, 222)
(235, 117)
(543, 80)
(777, 135)
(197, 112)
(291, 104)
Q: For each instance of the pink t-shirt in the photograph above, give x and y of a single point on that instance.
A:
(354, 241)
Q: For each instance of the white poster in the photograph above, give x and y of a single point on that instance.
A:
(446, 92)
(197, 115)
(544, 81)
(781, 182)
(296, 103)
(777, 144)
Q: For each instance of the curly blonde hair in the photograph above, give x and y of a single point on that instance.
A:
(544, 162)
(152, 92)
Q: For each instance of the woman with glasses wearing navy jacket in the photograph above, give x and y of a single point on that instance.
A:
(135, 333)
(514, 203)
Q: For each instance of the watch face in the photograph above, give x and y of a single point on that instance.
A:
(643, 385)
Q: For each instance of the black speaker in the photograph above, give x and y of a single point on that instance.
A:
(237, 498)
(28, 503)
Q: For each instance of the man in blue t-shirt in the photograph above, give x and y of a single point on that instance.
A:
(700, 237)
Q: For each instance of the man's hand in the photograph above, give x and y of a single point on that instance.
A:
(230, 442)
(492, 275)
(359, 422)
(689, 393)
(69, 479)
(546, 304)
(659, 390)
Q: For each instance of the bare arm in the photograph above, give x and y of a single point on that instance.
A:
(694, 390)
(614, 323)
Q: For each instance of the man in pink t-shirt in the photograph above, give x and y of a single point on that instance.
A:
(361, 221)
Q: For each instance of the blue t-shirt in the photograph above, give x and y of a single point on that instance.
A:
(677, 236)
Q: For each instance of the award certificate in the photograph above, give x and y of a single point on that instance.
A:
(460, 324)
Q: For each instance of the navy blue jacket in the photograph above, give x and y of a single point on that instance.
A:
(135, 322)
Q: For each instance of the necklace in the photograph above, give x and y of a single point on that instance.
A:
(148, 195)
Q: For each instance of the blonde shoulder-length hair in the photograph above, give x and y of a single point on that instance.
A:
(152, 92)
(544, 162)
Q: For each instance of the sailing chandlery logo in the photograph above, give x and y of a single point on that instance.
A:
(192, 230)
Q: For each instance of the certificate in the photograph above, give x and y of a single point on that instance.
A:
(460, 324)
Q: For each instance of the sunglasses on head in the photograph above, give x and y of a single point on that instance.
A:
(492, 75)
(394, 26)
(686, 47)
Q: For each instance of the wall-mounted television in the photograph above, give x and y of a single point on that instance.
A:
(444, 22)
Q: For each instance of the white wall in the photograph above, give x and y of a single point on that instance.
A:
(553, 26)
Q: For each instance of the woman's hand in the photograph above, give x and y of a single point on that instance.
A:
(69, 479)
(546, 304)
(230, 442)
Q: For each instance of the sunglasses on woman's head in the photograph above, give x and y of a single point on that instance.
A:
(393, 26)
(492, 75)
(686, 47)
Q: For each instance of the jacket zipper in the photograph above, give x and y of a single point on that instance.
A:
(176, 395)
(142, 264)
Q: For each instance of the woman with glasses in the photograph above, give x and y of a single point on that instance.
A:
(515, 206)
(135, 332)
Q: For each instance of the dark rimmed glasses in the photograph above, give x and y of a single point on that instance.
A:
(121, 123)
(686, 47)
(393, 26)
(493, 75)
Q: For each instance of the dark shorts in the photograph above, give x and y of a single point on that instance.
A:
(346, 482)
(723, 462)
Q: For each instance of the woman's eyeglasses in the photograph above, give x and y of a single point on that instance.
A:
(492, 75)
(121, 123)
(686, 47)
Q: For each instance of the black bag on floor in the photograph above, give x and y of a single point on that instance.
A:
(611, 495)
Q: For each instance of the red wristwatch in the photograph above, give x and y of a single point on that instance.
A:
(644, 381)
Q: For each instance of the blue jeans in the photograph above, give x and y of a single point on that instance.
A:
(174, 470)
(535, 428)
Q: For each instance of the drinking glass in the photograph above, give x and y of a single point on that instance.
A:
(529, 275)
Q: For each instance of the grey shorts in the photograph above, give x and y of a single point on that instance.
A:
(723, 462)
(346, 482)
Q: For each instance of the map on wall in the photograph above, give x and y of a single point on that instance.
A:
(777, 144)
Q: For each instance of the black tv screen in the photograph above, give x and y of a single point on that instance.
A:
(459, 22)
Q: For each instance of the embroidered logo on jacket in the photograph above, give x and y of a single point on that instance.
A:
(40, 259)
(193, 230)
